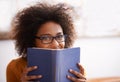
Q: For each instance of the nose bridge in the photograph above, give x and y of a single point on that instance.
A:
(54, 38)
(55, 43)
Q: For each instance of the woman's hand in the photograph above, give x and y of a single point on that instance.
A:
(25, 78)
(79, 75)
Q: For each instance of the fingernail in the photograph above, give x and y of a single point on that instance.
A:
(68, 76)
(70, 70)
(39, 76)
(35, 67)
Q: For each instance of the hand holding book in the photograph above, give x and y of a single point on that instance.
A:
(28, 78)
(80, 75)
(83, 79)
(54, 65)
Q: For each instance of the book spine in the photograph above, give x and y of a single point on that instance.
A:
(54, 67)
(58, 67)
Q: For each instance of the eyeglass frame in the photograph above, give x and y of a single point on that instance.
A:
(53, 37)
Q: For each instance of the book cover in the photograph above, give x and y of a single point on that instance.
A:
(53, 64)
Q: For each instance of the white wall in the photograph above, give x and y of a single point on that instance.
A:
(7, 52)
(99, 56)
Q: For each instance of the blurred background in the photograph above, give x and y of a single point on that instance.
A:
(98, 28)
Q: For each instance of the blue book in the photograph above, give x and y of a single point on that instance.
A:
(53, 64)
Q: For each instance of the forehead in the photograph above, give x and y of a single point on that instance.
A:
(51, 28)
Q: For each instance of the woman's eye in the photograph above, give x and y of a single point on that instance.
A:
(45, 38)
(60, 37)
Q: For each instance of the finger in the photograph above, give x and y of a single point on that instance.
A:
(28, 69)
(82, 71)
(77, 74)
(76, 79)
(24, 76)
(33, 77)
(27, 78)
(32, 68)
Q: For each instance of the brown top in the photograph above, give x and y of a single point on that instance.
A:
(15, 69)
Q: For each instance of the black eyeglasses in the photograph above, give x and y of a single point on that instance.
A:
(47, 39)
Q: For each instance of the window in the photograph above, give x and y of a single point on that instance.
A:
(98, 18)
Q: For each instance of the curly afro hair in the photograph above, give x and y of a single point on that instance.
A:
(27, 22)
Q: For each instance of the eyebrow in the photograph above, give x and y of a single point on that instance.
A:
(59, 33)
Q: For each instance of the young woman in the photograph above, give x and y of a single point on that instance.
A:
(35, 26)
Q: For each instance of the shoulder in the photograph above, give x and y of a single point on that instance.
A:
(17, 63)
(15, 69)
